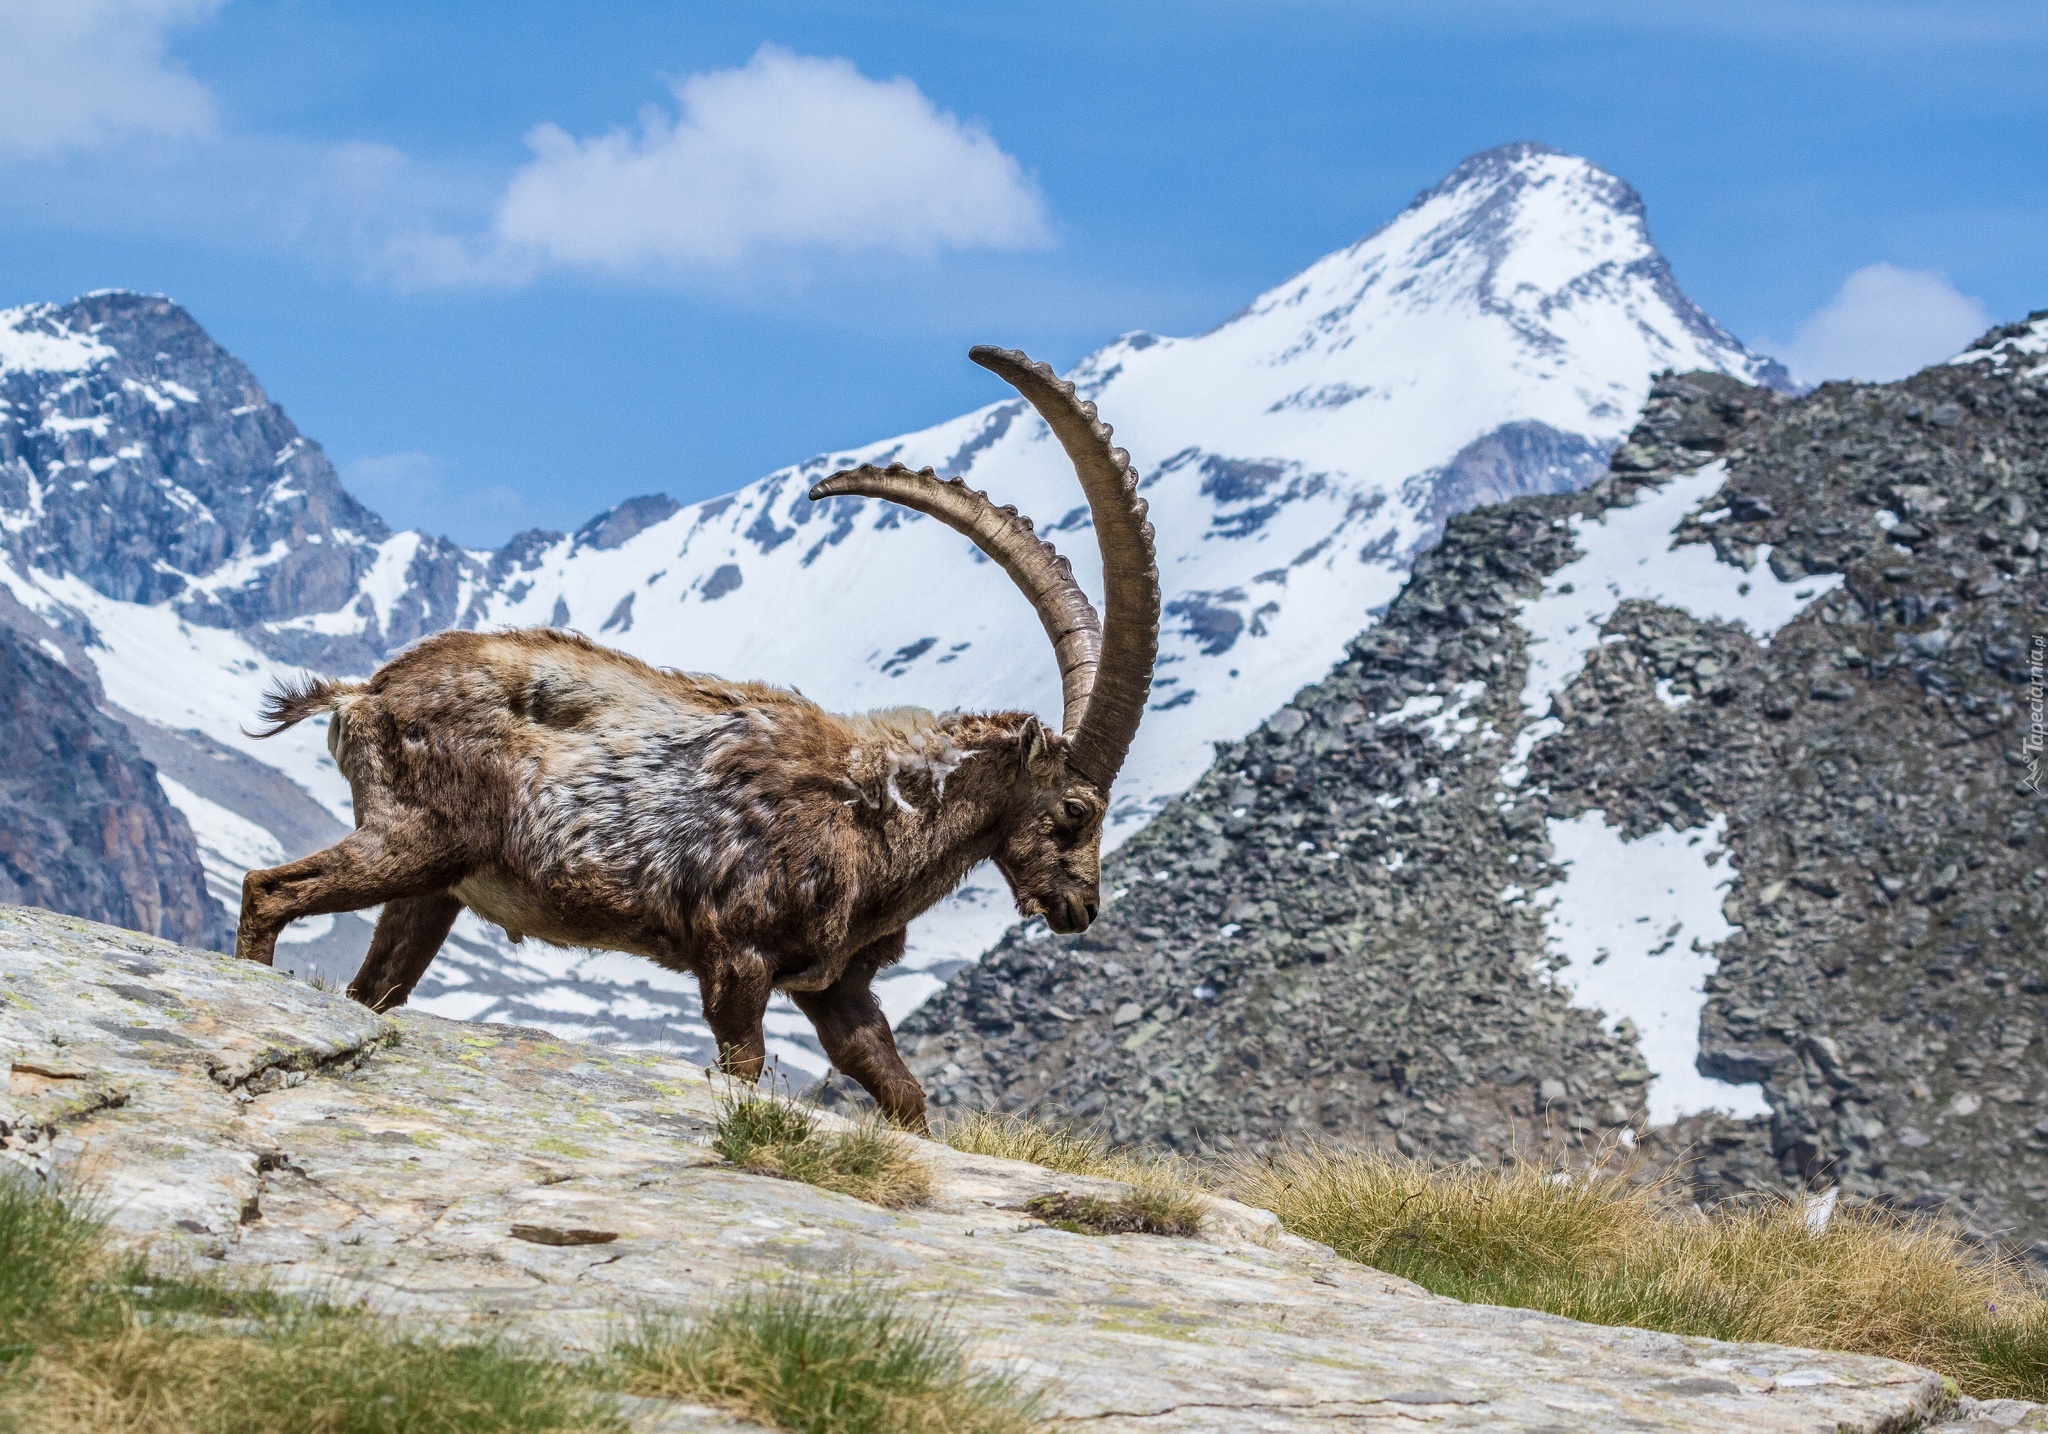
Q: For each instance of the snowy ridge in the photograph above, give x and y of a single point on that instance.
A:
(2023, 345)
(1497, 337)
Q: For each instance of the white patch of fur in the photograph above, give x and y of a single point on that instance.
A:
(910, 744)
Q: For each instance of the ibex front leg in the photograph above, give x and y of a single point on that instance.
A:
(856, 1035)
(736, 984)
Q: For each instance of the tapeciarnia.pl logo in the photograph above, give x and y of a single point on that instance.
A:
(2037, 714)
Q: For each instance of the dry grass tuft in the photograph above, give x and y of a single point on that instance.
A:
(774, 1135)
(1149, 1210)
(1166, 1196)
(1596, 1246)
(849, 1361)
(1069, 1151)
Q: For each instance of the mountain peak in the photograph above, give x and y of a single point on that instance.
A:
(1534, 238)
(142, 457)
(1513, 161)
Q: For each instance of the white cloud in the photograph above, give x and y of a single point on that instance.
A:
(78, 74)
(1885, 323)
(790, 152)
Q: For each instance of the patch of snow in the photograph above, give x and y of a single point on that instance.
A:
(453, 1005)
(1637, 923)
(32, 341)
(1420, 705)
(1628, 553)
(385, 583)
(230, 847)
(2029, 343)
(305, 929)
(1447, 726)
(228, 834)
(1516, 770)
(568, 1000)
(240, 570)
(1668, 696)
(792, 1055)
(99, 425)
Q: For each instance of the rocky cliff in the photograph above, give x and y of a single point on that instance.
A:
(87, 828)
(466, 1174)
(1702, 806)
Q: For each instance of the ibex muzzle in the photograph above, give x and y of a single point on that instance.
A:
(729, 829)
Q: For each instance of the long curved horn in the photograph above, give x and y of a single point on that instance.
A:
(1130, 573)
(1005, 535)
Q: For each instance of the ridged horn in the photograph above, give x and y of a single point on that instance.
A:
(1115, 704)
(1005, 535)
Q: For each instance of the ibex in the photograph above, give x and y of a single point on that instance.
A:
(734, 830)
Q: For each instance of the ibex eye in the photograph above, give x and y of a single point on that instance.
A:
(1076, 811)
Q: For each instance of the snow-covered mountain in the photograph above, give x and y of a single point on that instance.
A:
(176, 533)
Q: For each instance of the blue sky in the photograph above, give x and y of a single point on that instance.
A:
(510, 263)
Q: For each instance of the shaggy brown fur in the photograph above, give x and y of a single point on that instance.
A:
(734, 830)
(730, 829)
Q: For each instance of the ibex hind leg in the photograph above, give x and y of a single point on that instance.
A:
(408, 937)
(362, 869)
(856, 1036)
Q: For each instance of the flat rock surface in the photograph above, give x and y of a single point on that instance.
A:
(221, 1111)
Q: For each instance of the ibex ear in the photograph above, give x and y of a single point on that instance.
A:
(1039, 748)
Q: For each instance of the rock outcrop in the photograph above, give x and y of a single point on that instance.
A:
(228, 1113)
(1813, 763)
(87, 827)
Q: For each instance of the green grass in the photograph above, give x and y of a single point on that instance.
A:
(838, 1361)
(1145, 1211)
(1596, 1245)
(90, 1344)
(777, 1136)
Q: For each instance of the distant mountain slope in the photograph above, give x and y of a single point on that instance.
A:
(87, 830)
(1495, 338)
(1706, 803)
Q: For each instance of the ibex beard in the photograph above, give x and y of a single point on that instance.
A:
(734, 830)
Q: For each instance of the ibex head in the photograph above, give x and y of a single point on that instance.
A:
(1051, 844)
(1052, 836)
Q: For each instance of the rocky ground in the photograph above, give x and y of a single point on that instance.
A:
(228, 1114)
(1332, 933)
